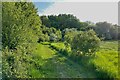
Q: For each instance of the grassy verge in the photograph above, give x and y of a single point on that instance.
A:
(106, 60)
(105, 63)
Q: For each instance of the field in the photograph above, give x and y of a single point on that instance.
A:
(54, 65)
(106, 60)
(50, 63)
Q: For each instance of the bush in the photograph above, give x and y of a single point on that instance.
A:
(14, 61)
(13, 66)
(63, 52)
(53, 37)
(19, 26)
(69, 34)
(50, 34)
(43, 37)
(58, 46)
(85, 43)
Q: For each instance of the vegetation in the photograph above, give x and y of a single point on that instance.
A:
(105, 62)
(61, 21)
(107, 55)
(107, 31)
(48, 63)
(85, 43)
(104, 30)
(19, 30)
(49, 34)
(18, 23)
(56, 46)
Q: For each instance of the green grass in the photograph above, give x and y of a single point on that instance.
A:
(44, 51)
(50, 63)
(54, 65)
(109, 45)
(58, 46)
(106, 61)
(42, 54)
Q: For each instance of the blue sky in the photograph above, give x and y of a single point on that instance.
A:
(42, 5)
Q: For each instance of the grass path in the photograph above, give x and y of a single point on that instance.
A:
(55, 65)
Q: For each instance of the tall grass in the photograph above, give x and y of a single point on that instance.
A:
(105, 62)
(105, 67)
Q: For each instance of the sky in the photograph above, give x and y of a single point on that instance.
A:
(84, 11)
(74, 0)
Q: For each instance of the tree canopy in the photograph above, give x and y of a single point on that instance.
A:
(21, 23)
(61, 21)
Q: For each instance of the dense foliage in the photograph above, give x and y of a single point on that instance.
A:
(81, 42)
(69, 34)
(61, 21)
(85, 43)
(21, 26)
(107, 31)
(104, 30)
(104, 63)
(49, 34)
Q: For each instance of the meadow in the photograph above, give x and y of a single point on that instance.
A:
(52, 63)
(106, 60)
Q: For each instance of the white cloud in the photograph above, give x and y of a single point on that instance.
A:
(94, 12)
(57, 8)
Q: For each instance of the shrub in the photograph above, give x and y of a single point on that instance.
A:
(19, 26)
(53, 37)
(14, 61)
(13, 66)
(43, 37)
(58, 46)
(63, 52)
(85, 43)
(69, 34)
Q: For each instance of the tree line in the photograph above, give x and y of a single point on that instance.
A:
(104, 30)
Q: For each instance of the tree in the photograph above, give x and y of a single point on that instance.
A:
(21, 24)
(61, 21)
(106, 30)
(49, 34)
(55, 35)
(85, 42)
(87, 25)
(69, 34)
(20, 28)
(45, 21)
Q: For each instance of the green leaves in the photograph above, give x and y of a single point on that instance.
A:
(107, 31)
(21, 24)
(85, 42)
(49, 34)
(61, 21)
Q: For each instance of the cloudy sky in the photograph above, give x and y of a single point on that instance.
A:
(85, 11)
